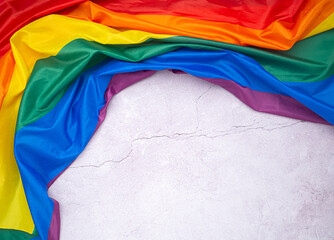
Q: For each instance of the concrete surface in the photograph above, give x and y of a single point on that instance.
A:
(179, 158)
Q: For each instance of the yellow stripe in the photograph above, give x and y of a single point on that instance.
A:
(40, 39)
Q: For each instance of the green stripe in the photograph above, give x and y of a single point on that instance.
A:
(10, 234)
(309, 60)
(52, 76)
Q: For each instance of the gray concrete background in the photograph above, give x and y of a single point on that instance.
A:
(179, 158)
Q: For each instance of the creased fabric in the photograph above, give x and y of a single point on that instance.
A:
(62, 62)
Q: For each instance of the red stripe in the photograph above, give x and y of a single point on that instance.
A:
(256, 14)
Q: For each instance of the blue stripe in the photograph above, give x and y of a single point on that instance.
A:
(46, 147)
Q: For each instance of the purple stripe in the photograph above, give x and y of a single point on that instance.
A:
(54, 229)
(259, 101)
(269, 102)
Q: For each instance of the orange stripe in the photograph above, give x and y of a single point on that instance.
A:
(279, 35)
(7, 64)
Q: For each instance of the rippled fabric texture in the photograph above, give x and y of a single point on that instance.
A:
(61, 62)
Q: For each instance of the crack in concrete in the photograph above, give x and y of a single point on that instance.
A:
(230, 131)
(197, 102)
(225, 133)
(182, 133)
(147, 138)
(190, 135)
(108, 161)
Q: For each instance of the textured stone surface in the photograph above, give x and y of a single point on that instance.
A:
(178, 158)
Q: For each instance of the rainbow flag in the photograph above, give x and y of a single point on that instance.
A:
(62, 61)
